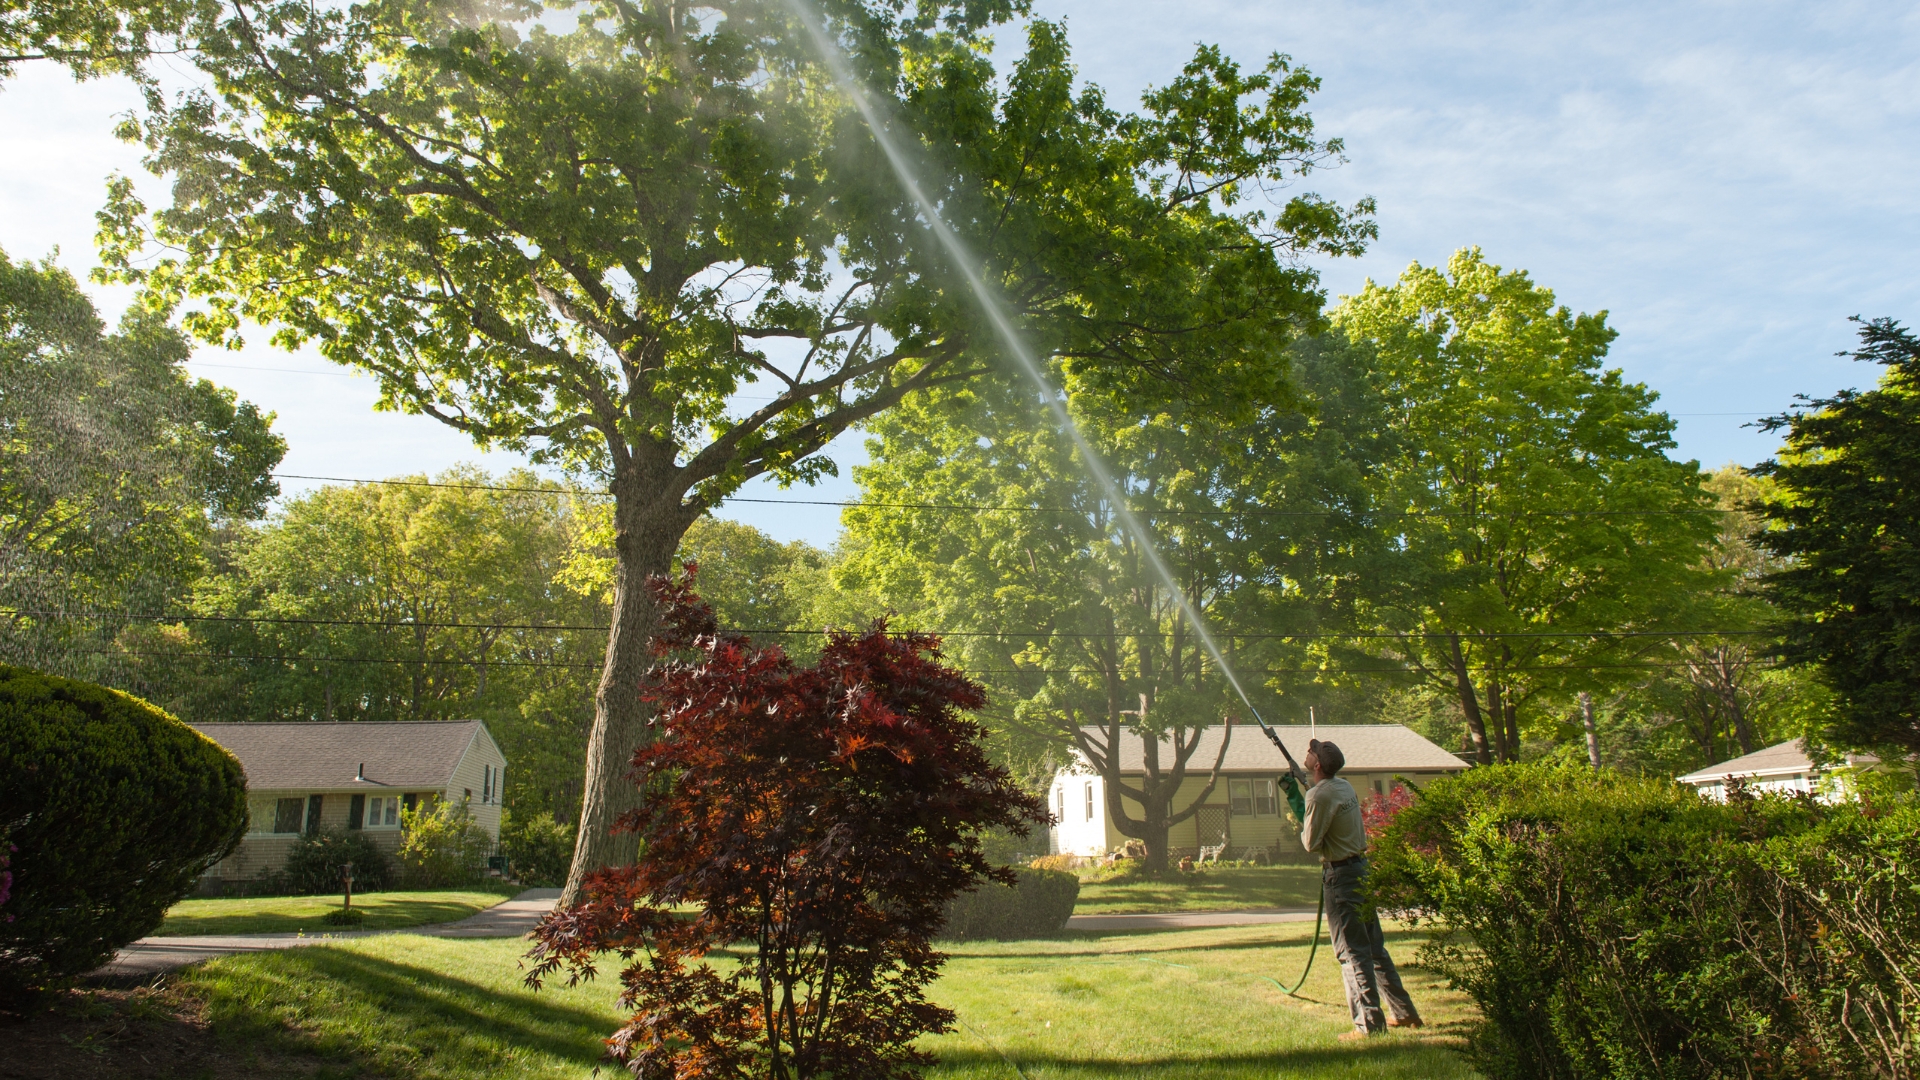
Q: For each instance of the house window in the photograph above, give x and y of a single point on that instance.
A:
(383, 810)
(1060, 801)
(1089, 800)
(1378, 787)
(314, 805)
(286, 815)
(1251, 798)
(486, 784)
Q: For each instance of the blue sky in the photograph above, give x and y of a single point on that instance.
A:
(1729, 181)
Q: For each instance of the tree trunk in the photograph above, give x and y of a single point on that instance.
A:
(1593, 733)
(647, 532)
(1511, 709)
(1727, 668)
(1155, 827)
(1470, 703)
(1495, 704)
(1157, 790)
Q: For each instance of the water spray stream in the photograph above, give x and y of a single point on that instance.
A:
(1016, 344)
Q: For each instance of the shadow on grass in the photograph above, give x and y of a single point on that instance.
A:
(384, 914)
(395, 1019)
(1071, 954)
(1384, 1057)
(1397, 940)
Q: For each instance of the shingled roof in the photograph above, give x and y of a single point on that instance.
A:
(328, 757)
(1368, 747)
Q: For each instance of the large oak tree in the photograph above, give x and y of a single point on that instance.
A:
(586, 241)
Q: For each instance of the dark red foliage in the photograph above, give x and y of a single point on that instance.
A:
(820, 817)
(1378, 811)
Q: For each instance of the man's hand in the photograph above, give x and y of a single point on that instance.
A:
(1296, 801)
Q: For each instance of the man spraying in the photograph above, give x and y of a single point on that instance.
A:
(1331, 828)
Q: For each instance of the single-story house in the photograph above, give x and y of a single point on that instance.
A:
(303, 777)
(1246, 809)
(1782, 768)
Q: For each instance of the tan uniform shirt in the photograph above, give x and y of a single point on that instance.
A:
(1333, 829)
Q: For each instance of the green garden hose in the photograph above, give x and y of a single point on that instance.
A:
(1319, 916)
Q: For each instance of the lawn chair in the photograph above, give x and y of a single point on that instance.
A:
(1256, 852)
(1210, 854)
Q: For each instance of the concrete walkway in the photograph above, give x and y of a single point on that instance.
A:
(153, 955)
(1190, 920)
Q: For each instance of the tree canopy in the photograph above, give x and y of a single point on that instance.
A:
(590, 243)
(91, 37)
(1540, 525)
(1053, 602)
(117, 469)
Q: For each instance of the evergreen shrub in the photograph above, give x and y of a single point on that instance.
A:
(314, 861)
(539, 849)
(1038, 905)
(1608, 926)
(114, 810)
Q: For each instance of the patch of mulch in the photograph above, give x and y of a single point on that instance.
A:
(151, 1032)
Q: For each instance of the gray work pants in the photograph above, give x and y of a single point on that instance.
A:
(1362, 949)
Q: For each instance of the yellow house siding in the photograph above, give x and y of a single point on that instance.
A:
(263, 851)
(469, 781)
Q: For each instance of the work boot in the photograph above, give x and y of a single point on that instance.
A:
(1355, 1035)
(1409, 1022)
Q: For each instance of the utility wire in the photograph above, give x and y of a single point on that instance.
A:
(596, 666)
(1318, 635)
(978, 507)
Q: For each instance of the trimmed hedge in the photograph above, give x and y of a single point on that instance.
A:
(116, 809)
(1038, 906)
(1613, 927)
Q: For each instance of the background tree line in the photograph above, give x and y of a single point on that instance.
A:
(1432, 502)
(1420, 528)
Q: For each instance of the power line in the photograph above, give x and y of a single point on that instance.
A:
(457, 662)
(1010, 508)
(1316, 635)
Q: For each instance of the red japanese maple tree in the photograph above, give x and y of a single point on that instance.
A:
(820, 818)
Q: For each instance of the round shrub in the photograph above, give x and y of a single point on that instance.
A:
(115, 809)
(1038, 906)
(314, 861)
(539, 849)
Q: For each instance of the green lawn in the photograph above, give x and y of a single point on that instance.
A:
(1155, 1006)
(294, 914)
(1230, 889)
